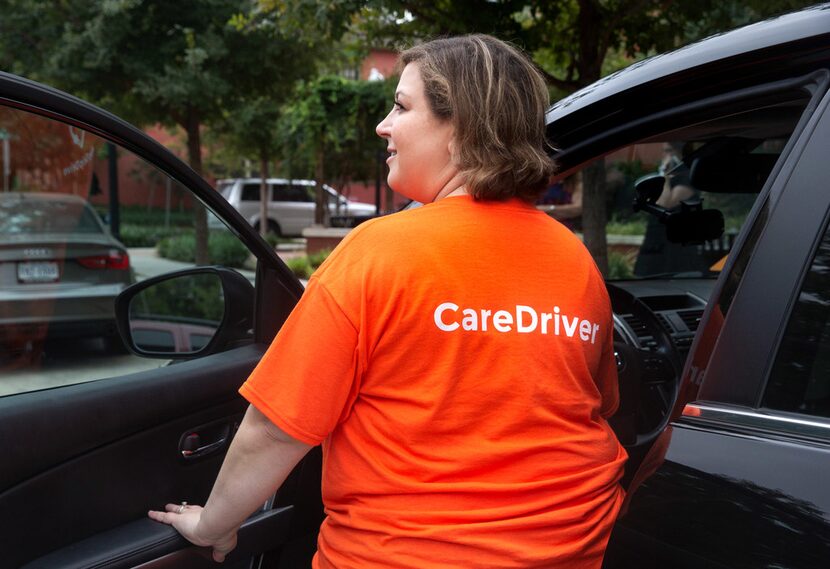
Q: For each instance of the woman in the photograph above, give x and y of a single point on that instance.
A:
(466, 366)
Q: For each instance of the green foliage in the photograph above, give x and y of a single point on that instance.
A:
(305, 265)
(140, 215)
(316, 259)
(300, 266)
(132, 235)
(223, 249)
(620, 265)
(185, 298)
(630, 226)
(333, 118)
(570, 39)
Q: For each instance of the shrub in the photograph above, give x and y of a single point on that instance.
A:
(140, 215)
(304, 266)
(178, 248)
(620, 265)
(316, 259)
(223, 249)
(300, 266)
(631, 226)
(146, 236)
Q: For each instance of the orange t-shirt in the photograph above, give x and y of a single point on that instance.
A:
(456, 363)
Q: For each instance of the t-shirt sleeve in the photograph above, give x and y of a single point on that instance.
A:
(308, 379)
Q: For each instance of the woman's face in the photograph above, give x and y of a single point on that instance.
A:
(419, 143)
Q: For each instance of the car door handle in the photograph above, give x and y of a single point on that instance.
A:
(207, 439)
(203, 450)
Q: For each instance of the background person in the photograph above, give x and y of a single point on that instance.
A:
(657, 254)
(458, 429)
(562, 201)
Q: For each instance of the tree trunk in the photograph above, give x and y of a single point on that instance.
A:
(263, 194)
(594, 215)
(194, 156)
(589, 66)
(320, 198)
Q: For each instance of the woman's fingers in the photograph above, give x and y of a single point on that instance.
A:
(185, 520)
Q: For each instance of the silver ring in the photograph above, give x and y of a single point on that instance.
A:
(182, 507)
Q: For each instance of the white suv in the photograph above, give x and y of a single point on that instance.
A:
(291, 207)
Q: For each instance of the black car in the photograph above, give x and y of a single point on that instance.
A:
(723, 333)
(721, 302)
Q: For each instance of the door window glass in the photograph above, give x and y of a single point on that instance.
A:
(250, 193)
(800, 377)
(72, 238)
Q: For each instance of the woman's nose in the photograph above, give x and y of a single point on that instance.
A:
(383, 127)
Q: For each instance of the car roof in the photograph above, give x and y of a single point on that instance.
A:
(786, 46)
(269, 180)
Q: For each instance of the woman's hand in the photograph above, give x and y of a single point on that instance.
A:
(185, 519)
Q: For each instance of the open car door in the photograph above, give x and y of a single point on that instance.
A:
(94, 436)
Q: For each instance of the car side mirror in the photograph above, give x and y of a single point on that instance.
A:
(192, 312)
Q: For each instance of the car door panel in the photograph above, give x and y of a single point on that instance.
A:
(100, 454)
(150, 545)
(778, 512)
(82, 464)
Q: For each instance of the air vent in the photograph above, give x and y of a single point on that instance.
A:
(691, 318)
(639, 328)
(667, 326)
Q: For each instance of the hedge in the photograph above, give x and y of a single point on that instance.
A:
(223, 249)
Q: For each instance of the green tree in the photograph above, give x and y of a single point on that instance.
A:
(305, 34)
(330, 123)
(575, 42)
(151, 61)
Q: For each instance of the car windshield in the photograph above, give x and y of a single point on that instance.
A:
(32, 216)
(638, 243)
(694, 187)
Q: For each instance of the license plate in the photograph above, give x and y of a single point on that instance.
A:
(41, 272)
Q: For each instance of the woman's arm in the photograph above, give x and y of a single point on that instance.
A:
(258, 462)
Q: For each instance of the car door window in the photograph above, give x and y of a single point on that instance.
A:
(800, 378)
(72, 237)
(250, 193)
(290, 193)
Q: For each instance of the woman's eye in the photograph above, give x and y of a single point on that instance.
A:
(397, 106)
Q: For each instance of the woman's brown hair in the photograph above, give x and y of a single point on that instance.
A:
(496, 99)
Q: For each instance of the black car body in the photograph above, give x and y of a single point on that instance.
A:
(729, 469)
(723, 366)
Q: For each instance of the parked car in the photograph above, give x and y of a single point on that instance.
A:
(291, 206)
(723, 340)
(55, 252)
(722, 337)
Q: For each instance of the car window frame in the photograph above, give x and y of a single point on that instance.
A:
(736, 370)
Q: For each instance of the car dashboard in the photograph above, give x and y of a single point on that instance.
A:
(676, 304)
